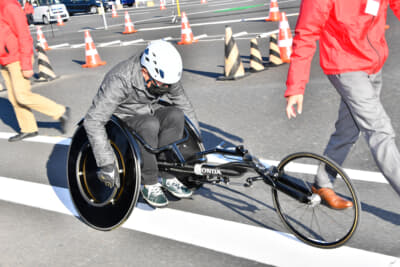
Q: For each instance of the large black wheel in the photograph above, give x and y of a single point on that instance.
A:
(315, 222)
(99, 206)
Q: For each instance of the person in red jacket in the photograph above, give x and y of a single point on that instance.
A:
(28, 8)
(16, 55)
(353, 50)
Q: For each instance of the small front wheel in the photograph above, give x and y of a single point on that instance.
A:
(311, 219)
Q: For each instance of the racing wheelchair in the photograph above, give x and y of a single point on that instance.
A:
(303, 212)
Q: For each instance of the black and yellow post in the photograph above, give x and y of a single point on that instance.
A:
(256, 62)
(46, 72)
(274, 53)
(233, 65)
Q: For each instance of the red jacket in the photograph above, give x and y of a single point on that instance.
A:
(15, 38)
(28, 8)
(349, 39)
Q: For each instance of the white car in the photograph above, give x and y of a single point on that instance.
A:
(46, 11)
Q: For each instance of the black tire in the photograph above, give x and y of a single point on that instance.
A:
(93, 10)
(316, 224)
(45, 20)
(98, 206)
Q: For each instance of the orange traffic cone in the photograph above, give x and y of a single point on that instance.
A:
(114, 12)
(285, 39)
(162, 5)
(187, 35)
(273, 11)
(92, 57)
(129, 28)
(41, 39)
(60, 22)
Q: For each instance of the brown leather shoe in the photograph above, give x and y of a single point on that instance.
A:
(333, 200)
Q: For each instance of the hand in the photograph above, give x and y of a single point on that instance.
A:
(291, 101)
(27, 73)
(109, 175)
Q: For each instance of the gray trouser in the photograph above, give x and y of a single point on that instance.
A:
(162, 128)
(361, 111)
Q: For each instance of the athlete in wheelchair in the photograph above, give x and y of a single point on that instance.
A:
(131, 91)
(128, 136)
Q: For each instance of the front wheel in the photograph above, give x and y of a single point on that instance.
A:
(313, 221)
(93, 10)
(99, 206)
(46, 20)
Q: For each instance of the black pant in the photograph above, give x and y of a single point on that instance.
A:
(29, 18)
(160, 129)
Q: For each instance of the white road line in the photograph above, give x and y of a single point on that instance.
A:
(237, 239)
(366, 176)
(179, 26)
(132, 42)
(59, 45)
(200, 36)
(109, 43)
(239, 34)
(77, 45)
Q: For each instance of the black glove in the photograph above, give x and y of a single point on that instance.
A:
(109, 175)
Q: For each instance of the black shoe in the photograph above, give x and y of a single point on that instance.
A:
(64, 120)
(21, 136)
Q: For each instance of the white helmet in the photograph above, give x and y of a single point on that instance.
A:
(162, 61)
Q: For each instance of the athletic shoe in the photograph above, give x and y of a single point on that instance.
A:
(154, 195)
(176, 188)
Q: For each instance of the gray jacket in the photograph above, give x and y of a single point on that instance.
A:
(123, 93)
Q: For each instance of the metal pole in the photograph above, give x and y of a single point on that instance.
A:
(179, 9)
(104, 15)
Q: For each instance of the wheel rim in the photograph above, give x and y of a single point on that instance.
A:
(315, 222)
(98, 206)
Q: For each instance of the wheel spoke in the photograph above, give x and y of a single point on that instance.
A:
(316, 223)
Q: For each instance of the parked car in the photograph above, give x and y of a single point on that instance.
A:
(86, 6)
(46, 11)
(123, 2)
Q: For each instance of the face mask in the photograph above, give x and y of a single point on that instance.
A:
(155, 89)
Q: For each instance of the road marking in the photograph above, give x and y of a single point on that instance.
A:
(239, 34)
(132, 42)
(366, 176)
(77, 45)
(238, 8)
(110, 43)
(59, 45)
(237, 239)
(200, 36)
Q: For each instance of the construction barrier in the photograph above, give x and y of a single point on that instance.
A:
(285, 38)
(256, 62)
(273, 11)
(41, 39)
(46, 72)
(233, 65)
(129, 27)
(186, 32)
(274, 52)
(91, 54)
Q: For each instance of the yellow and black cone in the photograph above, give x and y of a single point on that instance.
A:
(256, 62)
(46, 72)
(233, 65)
(274, 52)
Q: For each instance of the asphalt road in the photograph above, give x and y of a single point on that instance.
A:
(247, 111)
